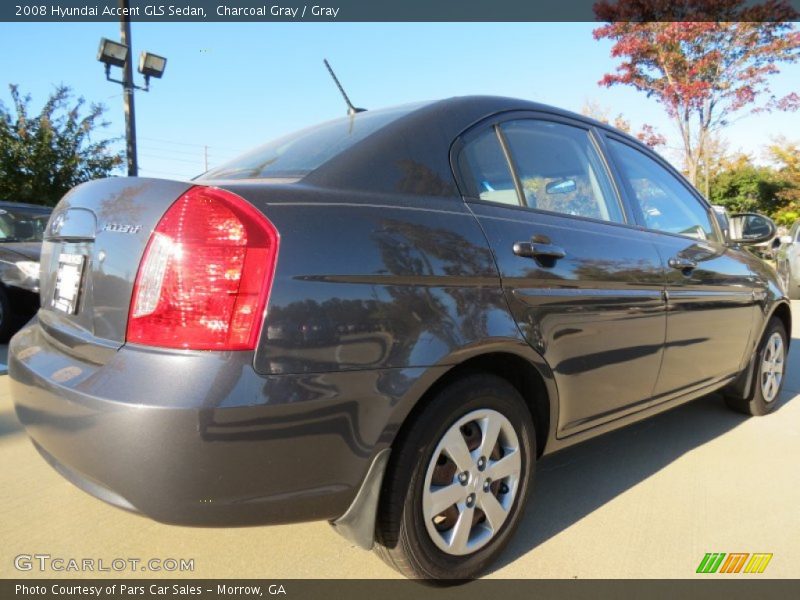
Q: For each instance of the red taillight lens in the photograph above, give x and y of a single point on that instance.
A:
(205, 277)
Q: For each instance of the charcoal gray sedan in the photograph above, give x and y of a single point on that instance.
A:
(384, 321)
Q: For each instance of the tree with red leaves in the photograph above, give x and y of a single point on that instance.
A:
(706, 71)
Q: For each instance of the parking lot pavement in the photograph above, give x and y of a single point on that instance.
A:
(644, 502)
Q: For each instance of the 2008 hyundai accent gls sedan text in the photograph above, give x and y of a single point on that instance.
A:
(384, 321)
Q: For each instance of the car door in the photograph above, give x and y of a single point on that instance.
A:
(584, 286)
(710, 289)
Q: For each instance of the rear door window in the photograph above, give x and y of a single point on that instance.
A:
(557, 165)
(560, 170)
(488, 174)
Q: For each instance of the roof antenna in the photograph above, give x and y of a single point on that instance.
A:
(351, 110)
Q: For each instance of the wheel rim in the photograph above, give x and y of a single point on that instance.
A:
(772, 367)
(471, 482)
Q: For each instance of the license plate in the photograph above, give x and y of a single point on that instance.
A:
(68, 282)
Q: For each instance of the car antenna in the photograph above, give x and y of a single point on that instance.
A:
(351, 110)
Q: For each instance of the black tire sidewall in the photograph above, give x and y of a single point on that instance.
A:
(474, 393)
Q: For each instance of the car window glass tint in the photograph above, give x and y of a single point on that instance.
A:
(299, 153)
(665, 202)
(22, 226)
(484, 165)
(560, 169)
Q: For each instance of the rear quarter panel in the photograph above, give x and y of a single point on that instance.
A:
(376, 282)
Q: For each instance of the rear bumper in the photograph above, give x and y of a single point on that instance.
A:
(199, 438)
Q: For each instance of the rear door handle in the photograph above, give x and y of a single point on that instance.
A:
(538, 250)
(682, 264)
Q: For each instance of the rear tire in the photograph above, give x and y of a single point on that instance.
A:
(769, 376)
(474, 428)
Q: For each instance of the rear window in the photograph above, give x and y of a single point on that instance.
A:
(299, 153)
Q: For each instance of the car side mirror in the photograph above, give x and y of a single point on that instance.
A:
(750, 228)
(786, 239)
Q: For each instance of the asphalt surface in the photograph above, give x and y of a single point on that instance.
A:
(647, 501)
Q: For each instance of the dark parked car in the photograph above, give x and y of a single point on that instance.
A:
(490, 280)
(21, 230)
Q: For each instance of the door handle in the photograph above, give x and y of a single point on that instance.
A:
(682, 264)
(538, 250)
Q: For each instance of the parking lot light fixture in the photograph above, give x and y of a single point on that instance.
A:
(111, 53)
(117, 54)
(152, 65)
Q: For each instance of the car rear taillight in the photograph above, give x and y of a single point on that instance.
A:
(205, 276)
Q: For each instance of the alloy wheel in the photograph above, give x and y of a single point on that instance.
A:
(772, 367)
(471, 482)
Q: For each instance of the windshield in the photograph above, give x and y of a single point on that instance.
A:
(22, 225)
(299, 153)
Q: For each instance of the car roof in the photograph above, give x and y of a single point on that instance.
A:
(411, 153)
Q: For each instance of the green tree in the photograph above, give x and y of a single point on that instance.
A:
(787, 157)
(742, 186)
(43, 156)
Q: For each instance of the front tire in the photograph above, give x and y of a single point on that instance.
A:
(769, 376)
(457, 482)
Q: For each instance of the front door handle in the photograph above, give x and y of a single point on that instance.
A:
(682, 264)
(538, 250)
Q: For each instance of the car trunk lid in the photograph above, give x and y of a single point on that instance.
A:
(91, 253)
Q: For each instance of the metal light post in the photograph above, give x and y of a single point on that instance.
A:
(118, 54)
(127, 95)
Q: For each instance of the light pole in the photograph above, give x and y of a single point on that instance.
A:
(127, 96)
(118, 54)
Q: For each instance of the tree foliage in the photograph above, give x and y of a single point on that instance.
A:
(707, 70)
(742, 186)
(787, 157)
(43, 156)
(647, 134)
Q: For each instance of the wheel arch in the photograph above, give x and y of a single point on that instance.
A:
(743, 384)
(783, 312)
(528, 374)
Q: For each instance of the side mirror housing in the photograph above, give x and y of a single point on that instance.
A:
(786, 239)
(751, 229)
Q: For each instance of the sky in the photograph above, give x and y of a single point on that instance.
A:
(231, 86)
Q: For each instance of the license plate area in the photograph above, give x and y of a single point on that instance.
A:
(69, 278)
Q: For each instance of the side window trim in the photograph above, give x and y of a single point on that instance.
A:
(632, 208)
(462, 141)
(496, 121)
(625, 186)
(512, 165)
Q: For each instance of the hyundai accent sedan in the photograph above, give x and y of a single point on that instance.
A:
(384, 322)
